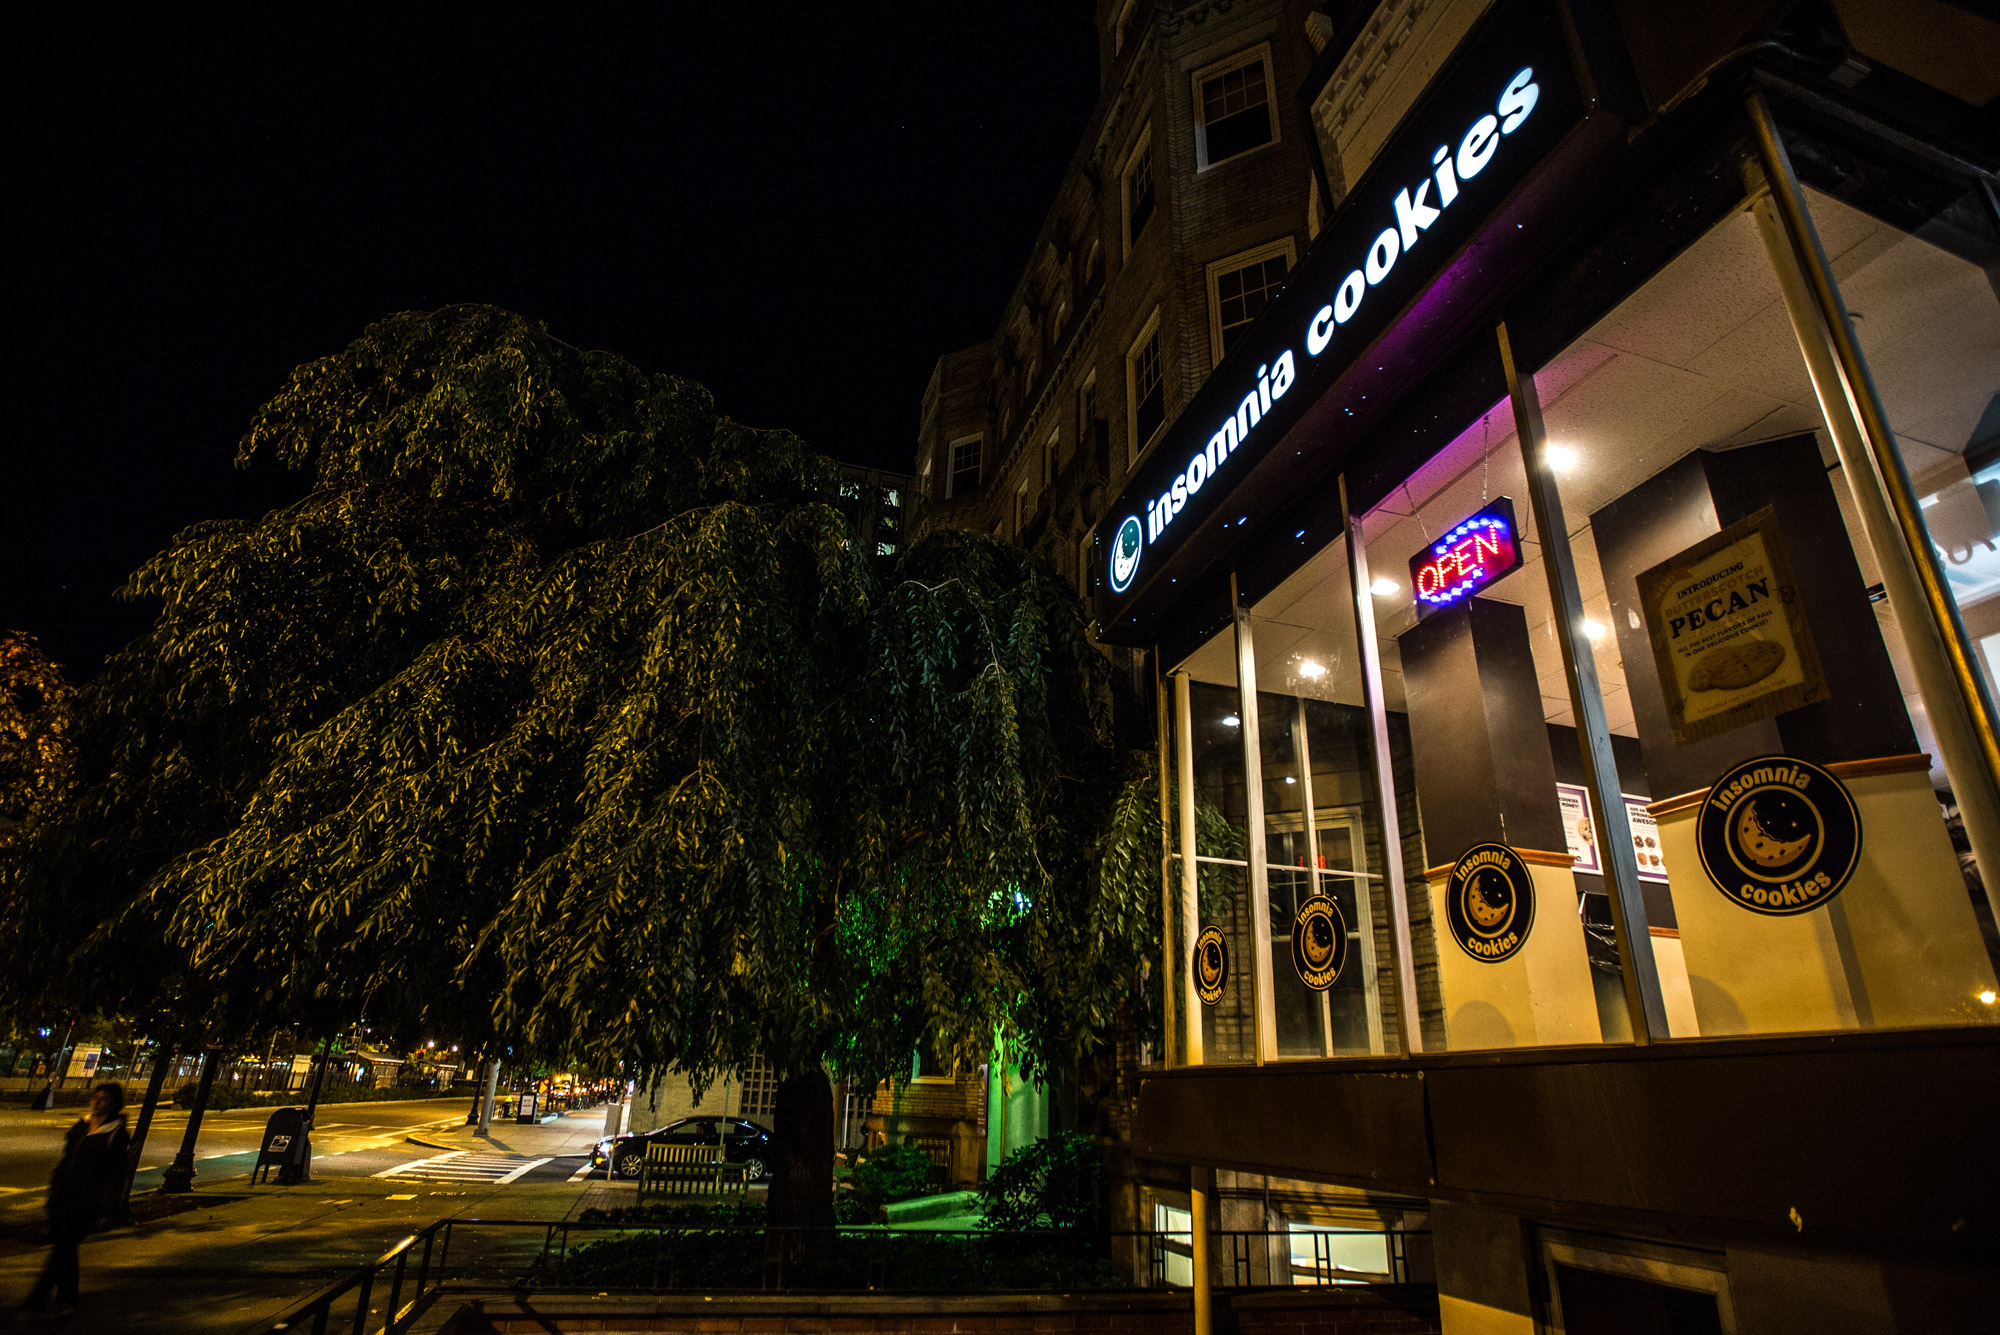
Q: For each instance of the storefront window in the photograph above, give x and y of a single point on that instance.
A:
(1332, 944)
(1771, 742)
(1518, 953)
(1223, 953)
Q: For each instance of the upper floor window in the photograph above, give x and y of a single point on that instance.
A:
(1239, 288)
(964, 477)
(1021, 507)
(1050, 449)
(1233, 108)
(1138, 189)
(1146, 381)
(1091, 259)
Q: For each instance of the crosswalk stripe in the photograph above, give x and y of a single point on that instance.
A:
(532, 1163)
(418, 1163)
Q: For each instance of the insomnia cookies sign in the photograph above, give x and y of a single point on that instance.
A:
(1490, 902)
(1211, 965)
(1319, 942)
(1779, 835)
(1729, 637)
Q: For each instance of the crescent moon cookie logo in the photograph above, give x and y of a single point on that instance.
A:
(1319, 942)
(1126, 548)
(1779, 835)
(1211, 965)
(1490, 902)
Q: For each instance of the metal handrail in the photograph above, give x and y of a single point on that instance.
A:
(319, 1307)
(1233, 1259)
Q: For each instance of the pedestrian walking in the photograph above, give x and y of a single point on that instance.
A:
(85, 1187)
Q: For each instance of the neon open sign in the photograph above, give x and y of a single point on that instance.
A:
(1466, 558)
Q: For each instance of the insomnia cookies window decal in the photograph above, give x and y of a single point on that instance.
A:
(1779, 835)
(1211, 965)
(1319, 942)
(1490, 902)
(1729, 637)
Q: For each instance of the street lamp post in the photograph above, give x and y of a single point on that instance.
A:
(180, 1173)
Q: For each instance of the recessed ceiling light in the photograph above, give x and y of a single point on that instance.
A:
(1382, 588)
(1311, 670)
(1594, 629)
(1231, 721)
(1561, 458)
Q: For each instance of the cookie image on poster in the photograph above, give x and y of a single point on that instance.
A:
(1733, 666)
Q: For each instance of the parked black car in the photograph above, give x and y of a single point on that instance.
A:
(743, 1142)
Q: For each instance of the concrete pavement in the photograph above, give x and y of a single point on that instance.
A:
(260, 1249)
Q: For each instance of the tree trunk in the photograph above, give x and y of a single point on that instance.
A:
(801, 1195)
(161, 1058)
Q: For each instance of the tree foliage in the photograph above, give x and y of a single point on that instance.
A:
(36, 750)
(562, 714)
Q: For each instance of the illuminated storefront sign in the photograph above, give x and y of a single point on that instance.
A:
(1426, 195)
(1466, 558)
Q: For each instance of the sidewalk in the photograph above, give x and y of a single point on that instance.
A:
(226, 1270)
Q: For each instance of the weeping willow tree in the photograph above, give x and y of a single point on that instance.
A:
(564, 715)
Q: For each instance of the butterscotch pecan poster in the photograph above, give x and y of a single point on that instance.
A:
(1729, 636)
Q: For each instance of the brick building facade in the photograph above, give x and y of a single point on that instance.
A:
(1190, 195)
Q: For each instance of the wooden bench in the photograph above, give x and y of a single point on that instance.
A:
(691, 1170)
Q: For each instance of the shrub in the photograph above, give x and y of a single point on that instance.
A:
(893, 1173)
(1053, 1183)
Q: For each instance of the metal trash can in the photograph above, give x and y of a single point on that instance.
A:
(287, 1147)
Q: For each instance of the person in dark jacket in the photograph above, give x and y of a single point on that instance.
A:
(84, 1189)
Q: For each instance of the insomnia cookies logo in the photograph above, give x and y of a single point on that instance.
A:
(1211, 965)
(1779, 835)
(1490, 902)
(1319, 942)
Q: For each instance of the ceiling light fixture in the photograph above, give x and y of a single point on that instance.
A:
(1311, 670)
(1594, 629)
(1561, 458)
(1383, 588)
(1231, 721)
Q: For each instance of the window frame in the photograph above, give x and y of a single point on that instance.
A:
(1260, 53)
(1230, 264)
(1142, 147)
(977, 439)
(1134, 446)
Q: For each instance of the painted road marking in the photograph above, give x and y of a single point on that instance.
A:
(532, 1163)
(417, 1163)
(466, 1166)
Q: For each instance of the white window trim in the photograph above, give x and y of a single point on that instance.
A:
(1134, 446)
(1259, 52)
(951, 461)
(1229, 264)
(1138, 150)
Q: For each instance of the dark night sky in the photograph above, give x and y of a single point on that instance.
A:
(797, 207)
